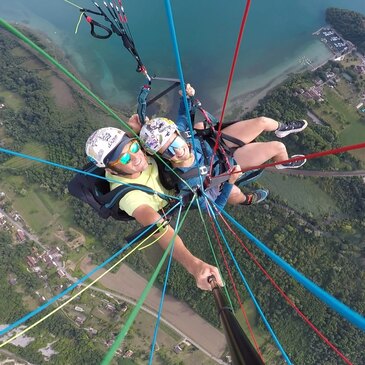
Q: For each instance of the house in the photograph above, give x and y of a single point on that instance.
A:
(128, 354)
(2, 106)
(110, 307)
(360, 69)
(314, 92)
(177, 349)
(80, 319)
(17, 217)
(318, 81)
(91, 331)
(61, 273)
(37, 269)
(13, 281)
(31, 261)
(20, 235)
(124, 307)
(358, 106)
(2, 219)
(109, 342)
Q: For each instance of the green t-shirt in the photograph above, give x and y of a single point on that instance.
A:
(136, 198)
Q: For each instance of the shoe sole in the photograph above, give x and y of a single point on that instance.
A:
(262, 199)
(282, 134)
(283, 167)
(249, 177)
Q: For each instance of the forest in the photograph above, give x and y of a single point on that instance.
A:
(314, 247)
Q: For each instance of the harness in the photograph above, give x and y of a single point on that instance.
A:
(93, 189)
(207, 135)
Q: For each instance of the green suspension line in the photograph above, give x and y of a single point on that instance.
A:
(109, 356)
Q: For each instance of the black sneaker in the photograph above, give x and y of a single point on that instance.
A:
(292, 165)
(291, 127)
(248, 177)
(256, 197)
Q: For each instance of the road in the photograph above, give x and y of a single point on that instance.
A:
(154, 314)
(176, 314)
(128, 286)
(35, 239)
(20, 226)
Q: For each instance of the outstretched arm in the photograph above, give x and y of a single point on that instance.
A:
(146, 216)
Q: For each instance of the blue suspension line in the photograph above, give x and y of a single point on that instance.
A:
(55, 164)
(181, 74)
(342, 309)
(252, 295)
(157, 325)
(80, 281)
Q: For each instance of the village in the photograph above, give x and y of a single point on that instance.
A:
(93, 313)
(332, 76)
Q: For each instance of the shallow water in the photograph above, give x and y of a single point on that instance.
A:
(277, 35)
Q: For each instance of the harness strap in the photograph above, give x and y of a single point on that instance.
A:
(142, 103)
(232, 139)
(94, 23)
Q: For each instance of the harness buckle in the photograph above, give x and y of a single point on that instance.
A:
(187, 134)
(203, 170)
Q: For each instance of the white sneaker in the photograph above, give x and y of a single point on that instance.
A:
(294, 126)
(292, 165)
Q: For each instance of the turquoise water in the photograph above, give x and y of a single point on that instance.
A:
(278, 33)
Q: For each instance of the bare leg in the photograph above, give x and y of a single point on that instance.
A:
(236, 196)
(248, 130)
(257, 153)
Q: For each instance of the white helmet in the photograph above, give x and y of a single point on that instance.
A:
(105, 145)
(156, 132)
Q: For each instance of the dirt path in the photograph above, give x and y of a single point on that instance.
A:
(129, 283)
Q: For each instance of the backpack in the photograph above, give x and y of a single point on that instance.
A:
(97, 194)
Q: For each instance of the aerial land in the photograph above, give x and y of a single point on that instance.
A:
(48, 239)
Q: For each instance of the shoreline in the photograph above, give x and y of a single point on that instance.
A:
(238, 105)
(248, 101)
(44, 42)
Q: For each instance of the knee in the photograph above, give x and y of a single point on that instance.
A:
(264, 122)
(278, 147)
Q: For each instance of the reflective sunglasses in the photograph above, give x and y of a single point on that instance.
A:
(125, 158)
(178, 142)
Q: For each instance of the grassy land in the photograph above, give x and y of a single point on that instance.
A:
(40, 210)
(32, 149)
(262, 337)
(300, 193)
(12, 100)
(339, 111)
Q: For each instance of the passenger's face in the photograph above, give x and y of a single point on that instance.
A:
(176, 149)
(131, 160)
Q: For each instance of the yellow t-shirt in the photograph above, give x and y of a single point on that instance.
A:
(136, 198)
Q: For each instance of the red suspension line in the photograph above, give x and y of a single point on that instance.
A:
(234, 287)
(289, 301)
(310, 156)
(234, 61)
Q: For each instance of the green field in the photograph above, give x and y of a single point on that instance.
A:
(13, 101)
(300, 193)
(262, 337)
(340, 113)
(32, 149)
(39, 209)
